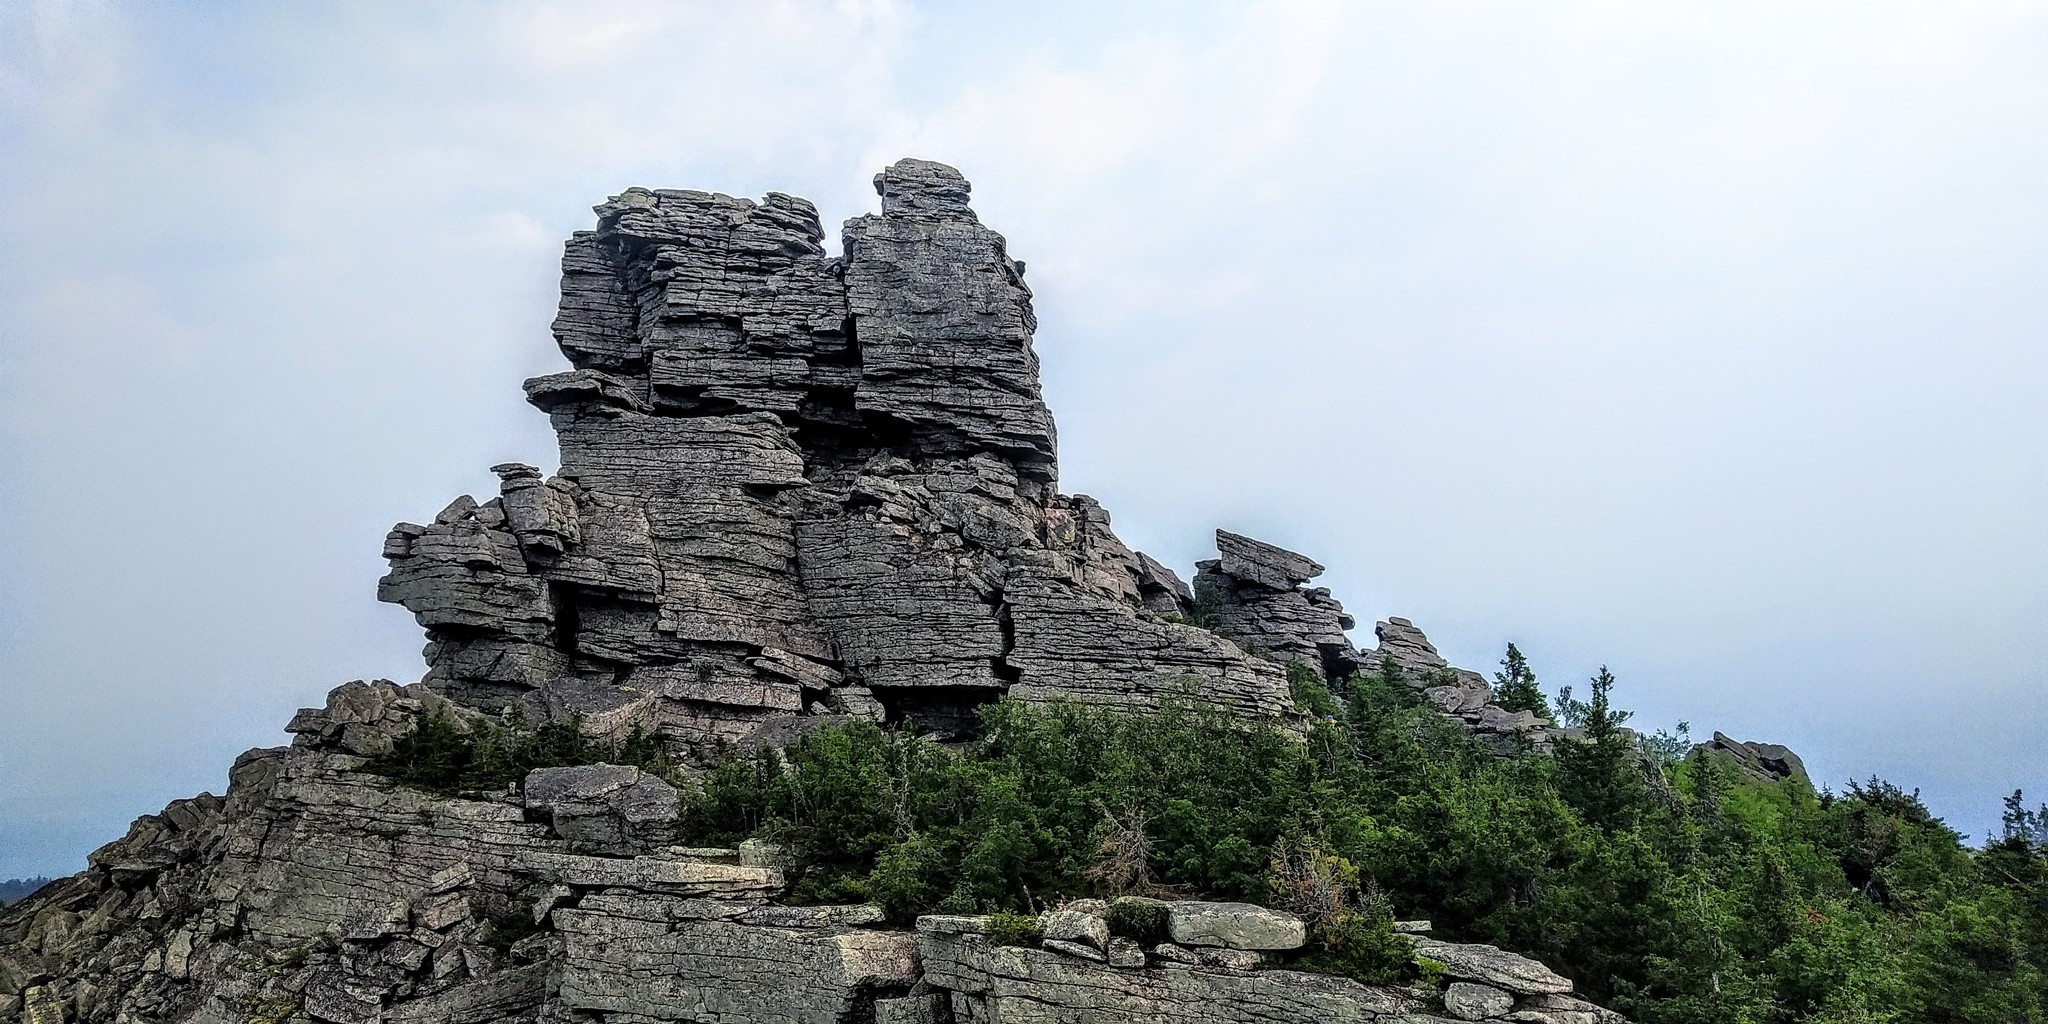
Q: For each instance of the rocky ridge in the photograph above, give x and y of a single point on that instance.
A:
(317, 892)
(796, 485)
(793, 487)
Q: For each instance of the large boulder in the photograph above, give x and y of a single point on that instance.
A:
(1467, 1000)
(1234, 926)
(641, 957)
(990, 984)
(1769, 762)
(609, 807)
(1255, 592)
(1071, 925)
(1489, 965)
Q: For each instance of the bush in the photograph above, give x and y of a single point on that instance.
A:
(1014, 930)
(1363, 948)
(447, 757)
(1139, 919)
(1675, 891)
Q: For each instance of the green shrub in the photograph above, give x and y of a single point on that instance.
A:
(1432, 974)
(1362, 948)
(1139, 919)
(1676, 892)
(1311, 696)
(444, 756)
(1014, 930)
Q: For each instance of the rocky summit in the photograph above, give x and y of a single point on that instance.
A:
(796, 485)
(794, 488)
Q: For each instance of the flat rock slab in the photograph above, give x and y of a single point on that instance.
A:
(1492, 966)
(1234, 926)
(715, 970)
(612, 807)
(649, 874)
(1012, 985)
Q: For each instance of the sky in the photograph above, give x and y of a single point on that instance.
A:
(1708, 342)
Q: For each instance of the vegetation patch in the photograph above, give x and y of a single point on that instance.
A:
(1667, 886)
(445, 756)
(1014, 930)
(1138, 919)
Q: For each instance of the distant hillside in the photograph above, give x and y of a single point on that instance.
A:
(15, 888)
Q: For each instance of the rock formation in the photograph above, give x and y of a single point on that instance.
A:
(795, 484)
(792, 486)
(1768, 762)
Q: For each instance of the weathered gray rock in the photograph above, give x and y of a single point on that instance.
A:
(367, 718)
(1009, 985)
(761, 853)
(1227, 959)
(1234, 925)
(652, 957)
(928, 1008)
(1557, 1009)
(1261, 564)
(1769, 762)
(611, 808)
(1078, 949)
(814, 917)
(685, 877)
(793, 485)
(1469, 1001)
(1074, 925)
(1489, 965)
(1406, 646)
(1255, 593)
(1122, 952)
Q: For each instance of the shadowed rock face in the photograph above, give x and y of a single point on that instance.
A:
(793, 484)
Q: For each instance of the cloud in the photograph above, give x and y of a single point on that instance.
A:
(1699, 340)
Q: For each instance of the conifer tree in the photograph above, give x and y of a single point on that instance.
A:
(1514, 686)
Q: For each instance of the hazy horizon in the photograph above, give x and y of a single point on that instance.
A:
(1704, 343)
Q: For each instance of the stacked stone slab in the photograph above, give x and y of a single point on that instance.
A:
(794, 484)
(1226, 963)
(1253, 592)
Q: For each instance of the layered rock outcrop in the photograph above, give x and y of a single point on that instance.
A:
(792, 486)
(1769, 762)
(795, 484)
